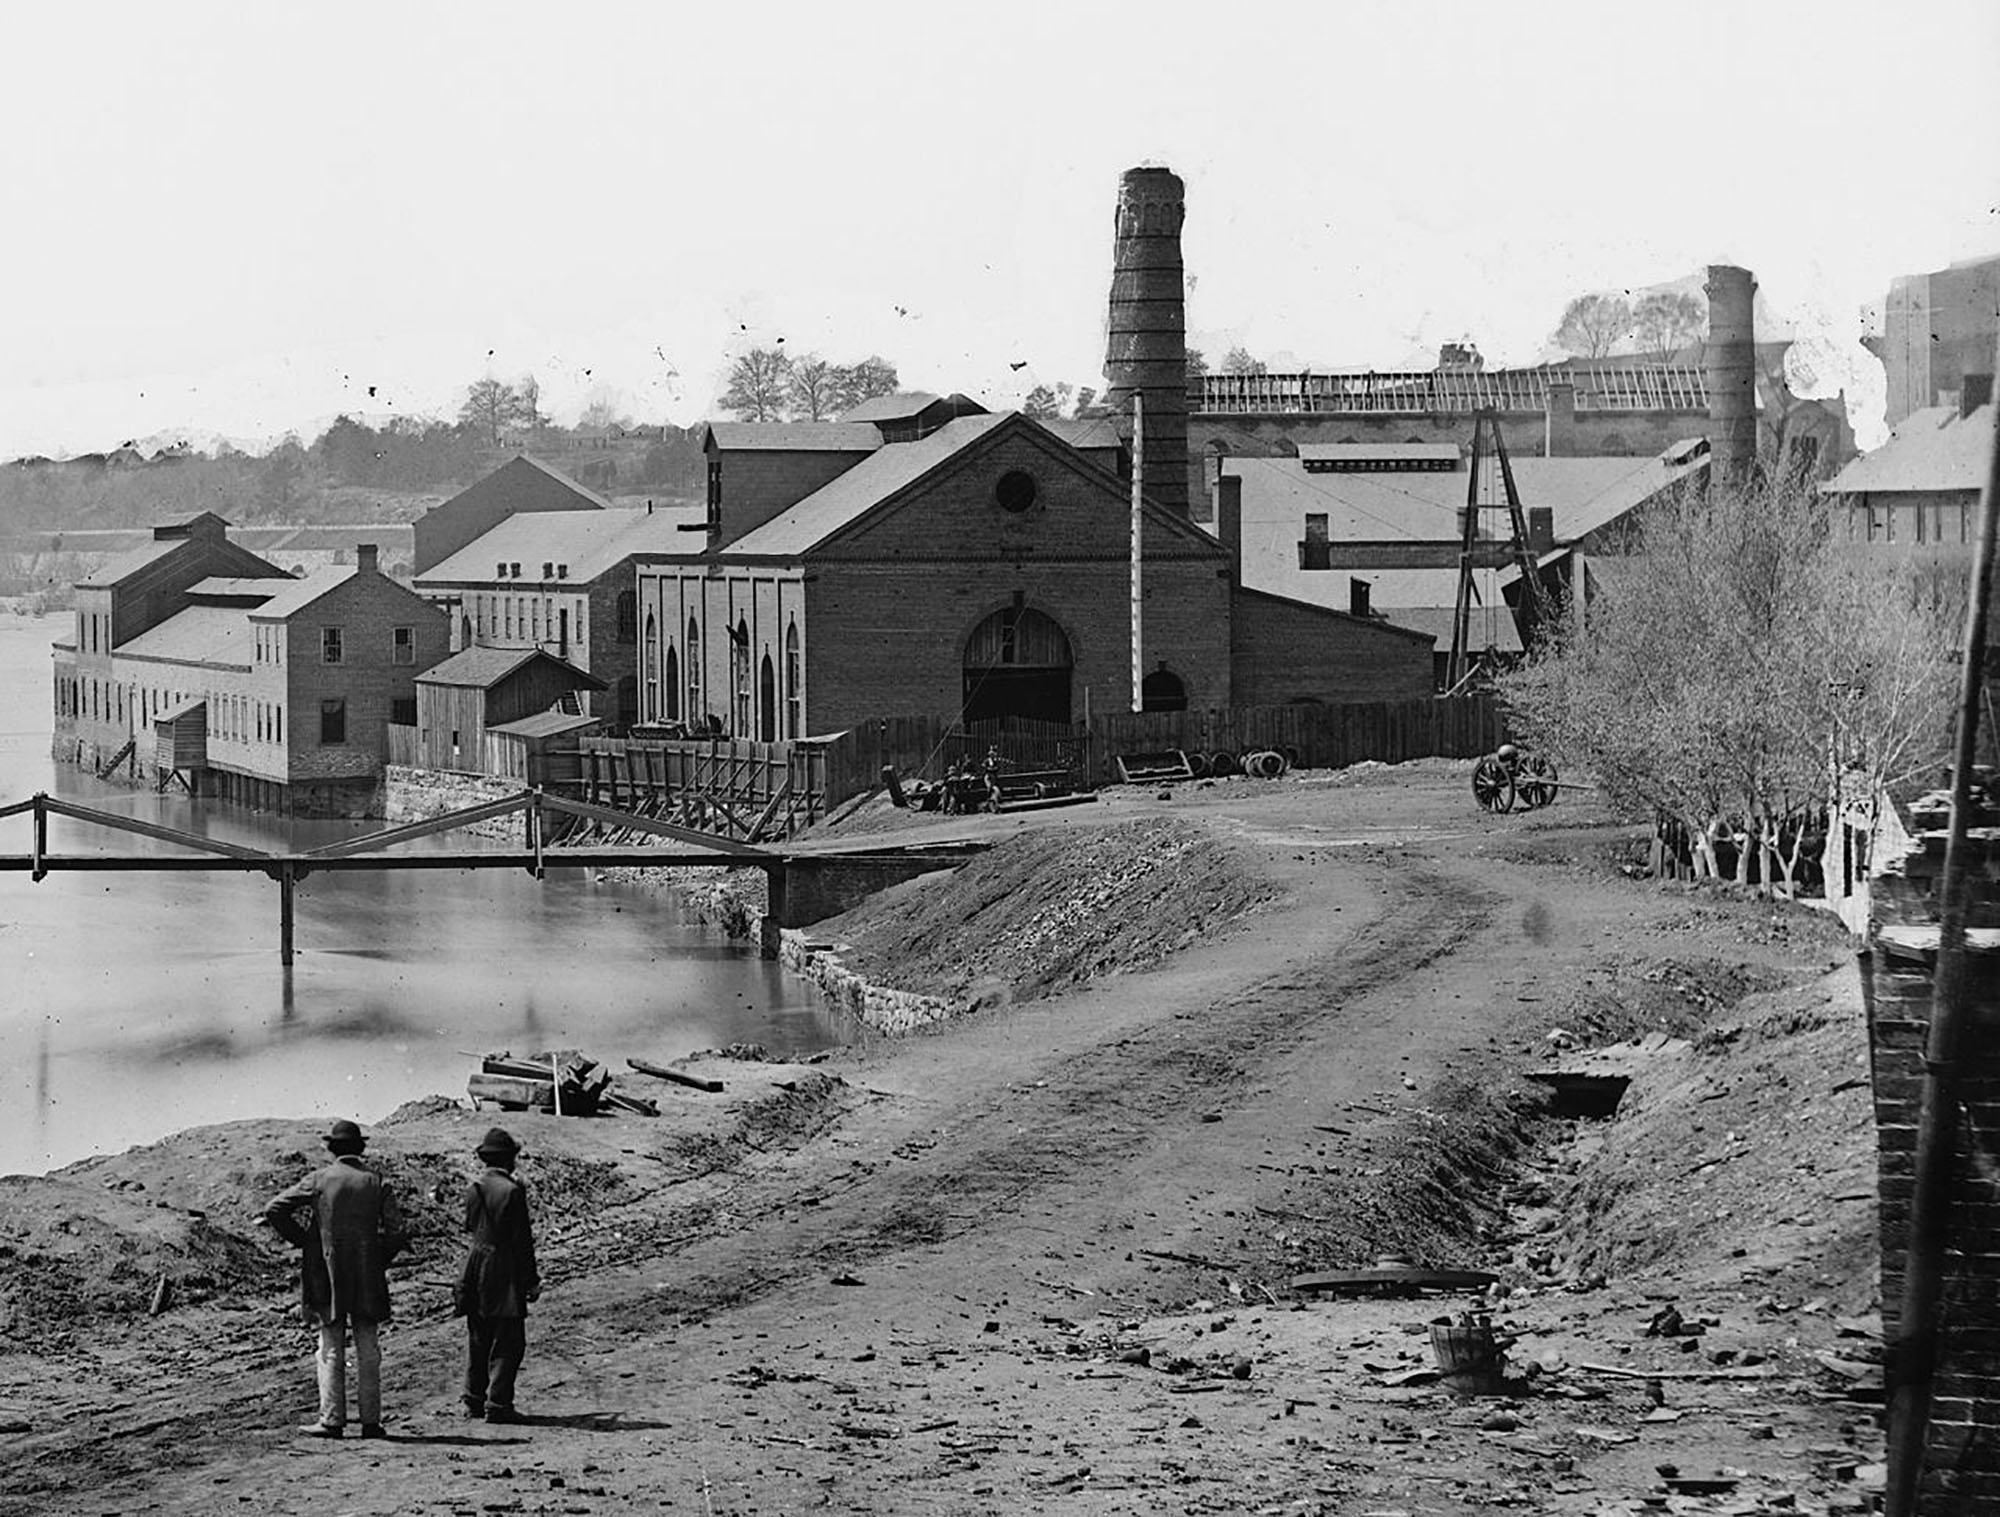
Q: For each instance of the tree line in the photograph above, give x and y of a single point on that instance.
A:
(770, 384)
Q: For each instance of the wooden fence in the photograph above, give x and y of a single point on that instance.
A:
(1314, 737)
(742, 789)
(771, 790)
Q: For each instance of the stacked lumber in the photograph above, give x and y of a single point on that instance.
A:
(561, 1081)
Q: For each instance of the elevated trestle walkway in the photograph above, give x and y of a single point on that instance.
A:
(804, 885)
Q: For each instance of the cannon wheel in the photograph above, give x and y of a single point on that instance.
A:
(1492, 785)
(1538, 782)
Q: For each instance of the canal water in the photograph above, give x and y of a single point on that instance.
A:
(136, 1004)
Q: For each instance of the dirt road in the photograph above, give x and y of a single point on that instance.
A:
(916, 1277)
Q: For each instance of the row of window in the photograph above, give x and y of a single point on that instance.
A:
(333, 645)
(235, 718)
(754, 710)
(1927, 521)
(528, 619)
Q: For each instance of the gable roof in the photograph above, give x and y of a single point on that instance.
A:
(1931, 449)
(114, 570)
(294, 595)
(197, 635)
(895, 467)
(792, 437)
(590, 543)
(546, 724)
(902, 405)
(1081, 432)
(891, 468)
(562, 479)
(225, 587)
(1583, 494)
(482, 668)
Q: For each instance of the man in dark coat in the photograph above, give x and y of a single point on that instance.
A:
(498, 1282)
(346, 1220)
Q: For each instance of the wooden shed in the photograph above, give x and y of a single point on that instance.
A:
(180, 743)
(539, 749)
(464, 698)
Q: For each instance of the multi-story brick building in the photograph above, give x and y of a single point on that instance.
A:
(980, 570)
(521, 484)
(242, 681)
(562, 581)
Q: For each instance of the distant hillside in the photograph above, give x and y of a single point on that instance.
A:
(352, 473)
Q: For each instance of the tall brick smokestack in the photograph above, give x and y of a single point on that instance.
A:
(1146, 350)
(1732, 373)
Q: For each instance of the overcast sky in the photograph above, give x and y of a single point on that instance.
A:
(246, 219)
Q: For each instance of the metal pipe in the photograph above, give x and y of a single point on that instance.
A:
(1914, 1354)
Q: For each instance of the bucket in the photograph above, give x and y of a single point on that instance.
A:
(1471, 1362)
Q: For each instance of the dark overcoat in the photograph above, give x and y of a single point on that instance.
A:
(499, 1274)
(346, 1220)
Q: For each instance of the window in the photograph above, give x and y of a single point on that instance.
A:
(1015, 491)
(696, 705)
(403, 645)
(403, 710)
(279, 729)
(739, 676)
(792, 680)
(652, 667)
(628, 617)
(671, 681)
(329, 645)
(332, 723)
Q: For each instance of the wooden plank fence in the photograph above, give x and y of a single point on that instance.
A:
(769, 790)
(1314, 737)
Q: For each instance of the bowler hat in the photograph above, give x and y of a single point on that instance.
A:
(498, 1141)
(344, 1134)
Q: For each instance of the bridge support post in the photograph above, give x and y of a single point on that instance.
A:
(770, 933)
(287, 883)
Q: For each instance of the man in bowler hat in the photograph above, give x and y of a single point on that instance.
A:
(498, 1281)
(345, 1219)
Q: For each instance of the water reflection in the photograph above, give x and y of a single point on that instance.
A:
(139, 1003)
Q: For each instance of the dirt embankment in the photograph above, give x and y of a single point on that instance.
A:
(1221, 1040)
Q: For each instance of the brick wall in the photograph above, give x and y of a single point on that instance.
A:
(1284, 652)
(1962, 1467)
(759, 483)
(366, 608)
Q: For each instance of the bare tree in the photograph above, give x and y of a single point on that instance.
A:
(1197, 363)
(490, 405)
(1667, 321)
(758, 385)
(529, 390)
(810, 384)
(1741, 674)
(1238, 360)
(1592, 326)
(854, 383)
(1045, 402)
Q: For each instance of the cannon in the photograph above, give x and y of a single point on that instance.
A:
(1508, 775)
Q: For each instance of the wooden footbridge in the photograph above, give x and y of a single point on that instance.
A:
(803, 885)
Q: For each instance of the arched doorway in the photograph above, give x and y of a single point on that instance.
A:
(1162, 690)
(1018, 663)
(767, 702)
(671, 681)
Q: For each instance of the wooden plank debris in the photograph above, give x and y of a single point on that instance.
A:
(662, 1072)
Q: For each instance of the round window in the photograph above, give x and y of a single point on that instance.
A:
(1015, 491)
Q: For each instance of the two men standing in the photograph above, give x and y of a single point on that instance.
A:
(345, 1219)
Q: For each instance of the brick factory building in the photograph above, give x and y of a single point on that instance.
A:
(195, 660)
(562, 581)
(978, 570)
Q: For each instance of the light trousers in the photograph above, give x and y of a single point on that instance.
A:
(333, 1371)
